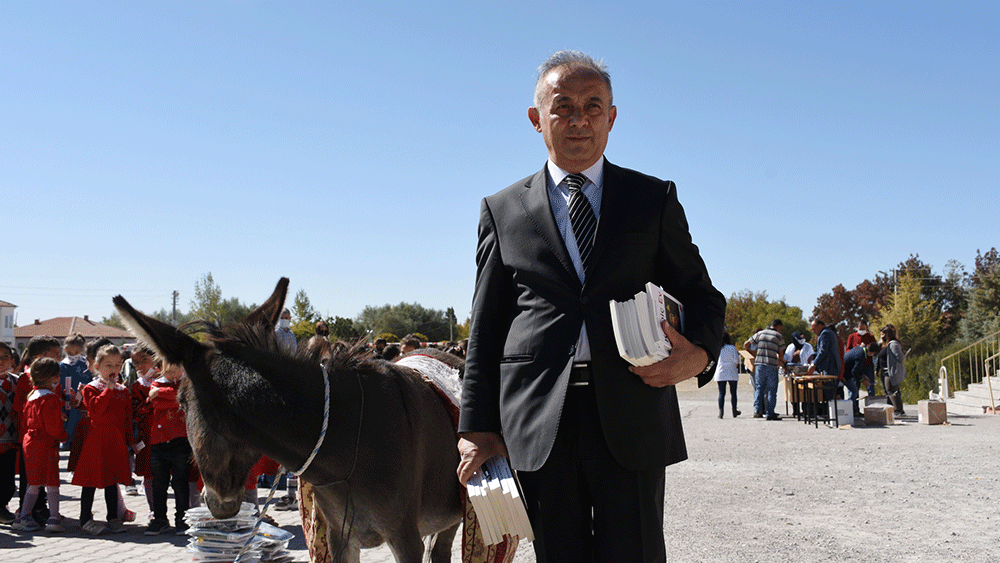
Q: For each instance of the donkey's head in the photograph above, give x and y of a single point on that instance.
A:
(216, 427)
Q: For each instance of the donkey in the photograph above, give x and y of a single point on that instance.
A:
(385, 471)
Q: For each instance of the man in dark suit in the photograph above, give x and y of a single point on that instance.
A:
(544, 383)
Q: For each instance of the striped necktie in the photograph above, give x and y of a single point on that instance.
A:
(581, 216)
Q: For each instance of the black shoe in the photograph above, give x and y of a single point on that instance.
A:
(736, 413)
(181, 528)
(157, 527)
(6, 516)
(773, 417)
(758, 415)
(720, 413)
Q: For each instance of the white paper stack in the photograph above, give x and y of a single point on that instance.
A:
(221, 540)
(498, 504)
(636, 324)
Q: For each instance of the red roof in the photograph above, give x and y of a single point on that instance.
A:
(6, 304)
(61, 327)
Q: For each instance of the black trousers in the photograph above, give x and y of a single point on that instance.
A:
(170, 463)
(583, 505)
(8, 466)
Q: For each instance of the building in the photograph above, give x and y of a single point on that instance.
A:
(61, 327)
(7, 322)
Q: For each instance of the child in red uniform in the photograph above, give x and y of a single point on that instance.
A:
(170, 458)
(9, 436)
(43, 423)
(38, 347)
(103, 460)
(142, 414)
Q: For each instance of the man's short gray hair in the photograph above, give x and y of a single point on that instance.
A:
(573, 58)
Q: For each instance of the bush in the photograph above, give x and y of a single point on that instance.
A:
(389, 337)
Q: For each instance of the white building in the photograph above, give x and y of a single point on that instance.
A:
(7, 322)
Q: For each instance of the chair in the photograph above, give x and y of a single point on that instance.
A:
(820, 392)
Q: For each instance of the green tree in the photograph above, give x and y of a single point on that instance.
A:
(917, 318)
(207, 301)
(209, 305)
(982, 316)
(344, 328)
(405, 318)
(114, 320)
(747, 311)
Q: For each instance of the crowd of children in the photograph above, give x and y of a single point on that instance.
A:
(115, 417)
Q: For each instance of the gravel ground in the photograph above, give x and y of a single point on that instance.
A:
(762, 491)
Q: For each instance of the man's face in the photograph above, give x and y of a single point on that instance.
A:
(815, 328)
(862, 326)
(574, 117)
(286, 316)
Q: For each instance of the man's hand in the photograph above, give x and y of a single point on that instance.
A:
(475, 448)
(686, 360)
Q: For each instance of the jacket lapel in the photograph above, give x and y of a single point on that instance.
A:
(612, 206)
(535, 199)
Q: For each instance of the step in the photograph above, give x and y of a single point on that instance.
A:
(961, 404)
(981, 391)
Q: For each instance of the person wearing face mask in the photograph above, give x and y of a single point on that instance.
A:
(286, 338)
(799, 351)
(73, 373)
(863, 338)
(142, 415)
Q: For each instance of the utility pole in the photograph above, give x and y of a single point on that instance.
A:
(173, 315)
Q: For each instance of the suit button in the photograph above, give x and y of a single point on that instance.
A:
(585, 300)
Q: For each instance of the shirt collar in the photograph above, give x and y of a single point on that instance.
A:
(595, 173)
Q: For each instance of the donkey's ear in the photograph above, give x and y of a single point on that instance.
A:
(269, 313)
(171, 344)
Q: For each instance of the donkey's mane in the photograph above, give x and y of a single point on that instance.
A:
(234, 340)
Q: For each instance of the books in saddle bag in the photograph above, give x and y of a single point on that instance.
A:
(636, 324)
(496, 498)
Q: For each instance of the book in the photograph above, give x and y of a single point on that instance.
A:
(496, 498)
(637, 325)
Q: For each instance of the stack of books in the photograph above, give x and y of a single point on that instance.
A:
(222, 540)
(497, 500)
(636, 325)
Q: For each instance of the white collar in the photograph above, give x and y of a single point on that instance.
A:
(595, 173)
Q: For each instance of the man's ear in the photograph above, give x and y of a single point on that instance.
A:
(535, 118)
(612, 115)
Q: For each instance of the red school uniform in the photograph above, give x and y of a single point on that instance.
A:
(168, 420)
(104, 455)
(142, 414)
(43, 431)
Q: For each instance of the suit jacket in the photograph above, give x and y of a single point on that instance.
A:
(529, 305)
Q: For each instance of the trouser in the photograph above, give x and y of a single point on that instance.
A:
(765, 397)
(869, 373)
(722, 393)
(583, 505)
(87, 503)
(892, 393)
(8, 466)
(170, 463)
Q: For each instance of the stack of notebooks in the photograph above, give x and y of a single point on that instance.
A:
(636, 325)
(498, 504)
(222, 540)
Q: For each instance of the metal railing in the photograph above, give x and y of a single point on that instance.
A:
(973, 363)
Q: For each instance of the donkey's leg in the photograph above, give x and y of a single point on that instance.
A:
(441, 543)
(406, 545)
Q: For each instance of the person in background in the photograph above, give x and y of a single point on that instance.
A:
(890, 363)
(74, 374)
(171, 455)
(103, 462)
(44, 430)
(799, 351)
(727, 372)
(38, 347)
(390, 353)
(9, 436)
(283, 332)
(863, 337)
(854, 361)
(142, 416)
(409, 344)
(767, 359)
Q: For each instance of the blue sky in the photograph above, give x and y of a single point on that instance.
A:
(145, 144)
